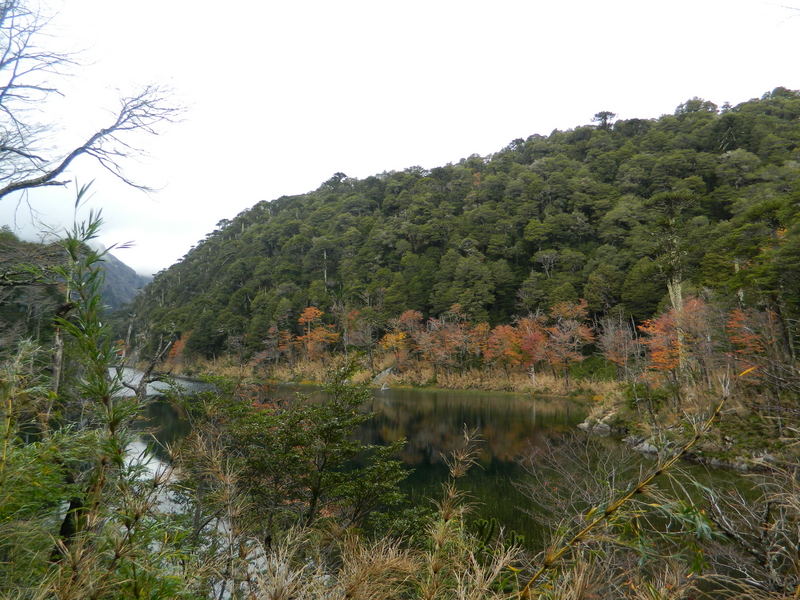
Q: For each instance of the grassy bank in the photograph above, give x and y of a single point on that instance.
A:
(600, 390)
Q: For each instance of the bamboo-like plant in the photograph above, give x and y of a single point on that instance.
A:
(80, 516)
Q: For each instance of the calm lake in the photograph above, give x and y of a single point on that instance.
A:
(432, 422)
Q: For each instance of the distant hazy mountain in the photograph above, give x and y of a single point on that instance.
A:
(26, 296)
(122, 283)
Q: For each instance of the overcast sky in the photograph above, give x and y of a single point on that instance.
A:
(281, 95)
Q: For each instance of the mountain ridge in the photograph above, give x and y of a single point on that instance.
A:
(582, 213)
(29, 295)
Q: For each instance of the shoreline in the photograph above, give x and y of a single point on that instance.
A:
(759, 461)
(604, 403)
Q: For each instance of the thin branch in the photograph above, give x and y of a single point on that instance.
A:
(141, 112)
(553, 557)
(26, 75)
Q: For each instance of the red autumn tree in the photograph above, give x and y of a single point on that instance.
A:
(409, 321)
(533, 342)
(503, 347)
(316, 339)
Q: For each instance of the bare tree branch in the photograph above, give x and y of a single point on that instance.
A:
(141, 112)
(26, 76)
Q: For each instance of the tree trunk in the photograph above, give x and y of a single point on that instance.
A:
(675, 290)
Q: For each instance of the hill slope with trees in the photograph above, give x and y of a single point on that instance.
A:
(31, 292)
(705, 198)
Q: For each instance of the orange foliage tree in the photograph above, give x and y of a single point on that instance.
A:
(503, 347)
(759, 346)
(316, 339)
(533, 342)
(176, 351)
(396, 342)
(661, 340)
(278, 344)
(310, 315)
(683, 342)
(746, 335)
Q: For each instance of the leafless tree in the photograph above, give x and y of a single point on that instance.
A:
(27, 73)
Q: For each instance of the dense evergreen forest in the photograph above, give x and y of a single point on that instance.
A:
(613, 212)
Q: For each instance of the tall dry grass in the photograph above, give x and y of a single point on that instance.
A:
(414, 375)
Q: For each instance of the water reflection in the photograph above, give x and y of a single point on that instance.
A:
(164, 424)
(432, 422)
(509, 424)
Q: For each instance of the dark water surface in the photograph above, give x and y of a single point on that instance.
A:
(433, 422)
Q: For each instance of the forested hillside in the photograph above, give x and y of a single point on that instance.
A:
(30, 294)
(613, 212)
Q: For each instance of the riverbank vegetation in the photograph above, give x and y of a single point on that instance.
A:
(272, 499)
(266, 499)
(642, 380)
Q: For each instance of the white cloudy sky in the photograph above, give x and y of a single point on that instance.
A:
(281, 95)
